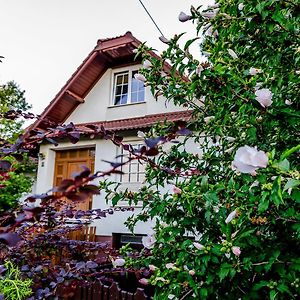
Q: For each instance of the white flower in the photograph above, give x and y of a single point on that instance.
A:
(241, 6)
(232, 54)
(230, 139)
(192, 272)
(183, 17)
(164, 39)
(169, 265)
(297, 72)
(147, 64)
(198, 246)
(254, 71)
(199, 69)
(288, 102)
(254, 184)
(171, 296)
(135, 50)
(209, 14)
(249, 159)
(141, 134)
(227, 255)
(231, 216)
(236, 251)
(140, 77)
(264, 97)
(148, 241)
(119, 262)
(208, 119)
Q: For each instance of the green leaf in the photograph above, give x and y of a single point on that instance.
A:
(203, 293)
(283, 165)
(273, 294)
(287, 153)
(276, 194)
(225, 270)
(189, 42)
(264, 202)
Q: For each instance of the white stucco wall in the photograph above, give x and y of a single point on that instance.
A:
(98, 103)
(104, 150)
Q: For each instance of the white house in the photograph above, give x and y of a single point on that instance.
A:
(103, 90)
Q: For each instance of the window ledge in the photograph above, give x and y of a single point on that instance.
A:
(127, 104)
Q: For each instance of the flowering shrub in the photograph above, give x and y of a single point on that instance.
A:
(231, 229)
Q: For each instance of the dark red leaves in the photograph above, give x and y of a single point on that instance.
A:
(4, 166)
(11, 239)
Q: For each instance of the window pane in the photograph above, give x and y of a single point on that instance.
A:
(137, 89)
(123, 99)
(125, 89)
(134, 97)
(121, 88)
(117, 100)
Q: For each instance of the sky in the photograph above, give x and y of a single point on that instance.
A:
(44, 41)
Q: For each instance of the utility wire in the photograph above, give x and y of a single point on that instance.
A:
(151, 17)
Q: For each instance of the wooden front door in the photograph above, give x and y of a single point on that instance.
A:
(70, 162)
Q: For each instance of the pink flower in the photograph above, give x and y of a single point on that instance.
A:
(248, 159)
(183, 17)
(192, 272)
(264, 97)
(176, 190)
(236, 251)
(144, 281)
(148, 241)
(230, 216)
(152, 268)
(140, 77)
(198, 246)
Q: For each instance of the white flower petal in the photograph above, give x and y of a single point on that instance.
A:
(183, 17)
(241, 6)
(231, 216)
(140, 77)
(148, 241)
(232, 54)
(288, 102)
(264, 97)
(164, 39)
(147, 64)
(248, 159)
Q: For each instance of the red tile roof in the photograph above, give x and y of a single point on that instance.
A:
(142, 122)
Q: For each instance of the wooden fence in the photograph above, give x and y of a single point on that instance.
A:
(99, 291)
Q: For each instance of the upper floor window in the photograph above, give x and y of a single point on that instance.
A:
(127, 89)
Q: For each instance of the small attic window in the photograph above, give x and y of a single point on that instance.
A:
(127, 89)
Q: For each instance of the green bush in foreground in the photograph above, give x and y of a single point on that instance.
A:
(242, 203)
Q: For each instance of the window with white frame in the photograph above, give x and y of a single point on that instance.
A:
(127, 89)
(134, 170)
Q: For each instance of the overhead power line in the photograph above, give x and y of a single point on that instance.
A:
(151, 17)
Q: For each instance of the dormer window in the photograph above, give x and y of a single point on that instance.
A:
(127, 89)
